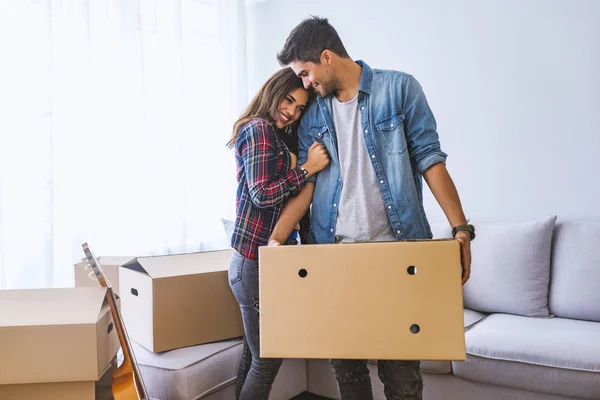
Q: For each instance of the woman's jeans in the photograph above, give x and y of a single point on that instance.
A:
(255, 375)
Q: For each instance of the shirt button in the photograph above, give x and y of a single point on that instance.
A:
(335, 205)
(366, 131)
(381, 181)
(372, 155)
(331, 230)
(389, 207)
(319, 134)
(392, 125)
(362, 108)
(398, 232)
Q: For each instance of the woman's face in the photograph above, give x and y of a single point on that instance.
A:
(291, 107)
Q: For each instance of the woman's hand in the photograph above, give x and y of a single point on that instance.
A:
(317, 158)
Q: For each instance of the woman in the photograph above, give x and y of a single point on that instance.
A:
(267, 176)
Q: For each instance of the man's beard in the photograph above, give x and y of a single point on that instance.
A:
(329, 88)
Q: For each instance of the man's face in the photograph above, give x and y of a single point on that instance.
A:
(320, 76)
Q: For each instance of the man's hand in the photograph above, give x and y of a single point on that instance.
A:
(273, 242)
(465, 254)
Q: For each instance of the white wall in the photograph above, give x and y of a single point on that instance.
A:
(514, 85)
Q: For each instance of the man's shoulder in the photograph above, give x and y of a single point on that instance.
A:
(386, 76)
(311, 114)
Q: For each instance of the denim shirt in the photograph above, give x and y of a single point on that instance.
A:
(400, 135)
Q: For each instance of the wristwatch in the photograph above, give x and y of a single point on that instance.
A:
(304, 172)
(467, 228)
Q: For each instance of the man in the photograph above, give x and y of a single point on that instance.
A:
(381, 136)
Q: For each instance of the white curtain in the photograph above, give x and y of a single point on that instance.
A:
(114, 116)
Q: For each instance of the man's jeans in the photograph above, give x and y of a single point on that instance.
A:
(402, 380)
(255, 375)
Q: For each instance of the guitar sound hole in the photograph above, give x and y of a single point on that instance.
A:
(411, 270)
(302, 273)
(134, 292)
(110, 327)
(414, 328)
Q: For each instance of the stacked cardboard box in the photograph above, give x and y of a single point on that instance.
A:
(182, 300)
(172, 301)
(55, 343)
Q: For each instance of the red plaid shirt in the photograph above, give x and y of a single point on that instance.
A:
(265, 181)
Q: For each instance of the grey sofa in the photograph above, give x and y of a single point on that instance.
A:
(535, 333)
(532, 328)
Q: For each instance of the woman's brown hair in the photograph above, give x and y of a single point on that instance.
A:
(266, 102)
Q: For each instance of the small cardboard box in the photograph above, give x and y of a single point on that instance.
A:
(386, 300)
(110, 266)
(84, 390)
(55, 335)
(175, 301)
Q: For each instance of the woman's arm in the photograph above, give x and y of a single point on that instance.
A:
(259, 153)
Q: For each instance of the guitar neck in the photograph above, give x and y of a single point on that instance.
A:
(125, 342)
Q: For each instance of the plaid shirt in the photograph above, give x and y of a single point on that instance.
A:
(265, 181)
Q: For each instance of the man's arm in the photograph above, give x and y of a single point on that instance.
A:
(428, 159)
(444, 191)
(291, 213)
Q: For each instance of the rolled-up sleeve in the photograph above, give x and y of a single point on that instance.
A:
(304, 143)
(421, 129)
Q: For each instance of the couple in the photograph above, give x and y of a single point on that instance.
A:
(357, 149)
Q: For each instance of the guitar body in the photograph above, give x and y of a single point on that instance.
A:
(123, 384)
(127, 383)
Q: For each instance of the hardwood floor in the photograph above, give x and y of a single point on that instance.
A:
(309, 396)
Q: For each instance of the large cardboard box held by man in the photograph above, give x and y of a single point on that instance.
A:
(55, 335)
(387, 300)
(110, 267)
(175, 301)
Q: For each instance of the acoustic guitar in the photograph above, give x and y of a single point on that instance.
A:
(127, 383)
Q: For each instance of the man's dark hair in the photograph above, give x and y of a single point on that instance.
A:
(308, 40)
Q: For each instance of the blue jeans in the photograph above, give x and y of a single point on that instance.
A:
(402, 380)
(256, 374)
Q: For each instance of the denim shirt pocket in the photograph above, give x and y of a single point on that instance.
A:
(391, 133)
(318, 133)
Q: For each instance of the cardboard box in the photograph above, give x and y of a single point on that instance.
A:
(55, 335)
(110, 266)
(175, 301)
(391, 300)
(85, 390)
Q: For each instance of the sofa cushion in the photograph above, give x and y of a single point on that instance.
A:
(196, 372)
(471, 318)
(510, 268)
(228, 225)
(441, 230)
(555, 355)
(575, 282)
